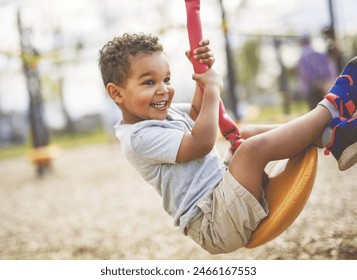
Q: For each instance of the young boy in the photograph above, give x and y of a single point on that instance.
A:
(219, 208)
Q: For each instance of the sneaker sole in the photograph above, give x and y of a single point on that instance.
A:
(353, 61)
(348, 157)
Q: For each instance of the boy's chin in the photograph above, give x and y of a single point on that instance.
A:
(161, 118)
(162, 115)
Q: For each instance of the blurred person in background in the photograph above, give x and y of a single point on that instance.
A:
(315, 73)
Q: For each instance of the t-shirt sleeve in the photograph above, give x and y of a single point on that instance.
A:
(157, 143)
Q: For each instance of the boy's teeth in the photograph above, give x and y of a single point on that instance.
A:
(159, 104)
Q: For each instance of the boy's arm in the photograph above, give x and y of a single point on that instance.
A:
(204, 132)
(196, 103)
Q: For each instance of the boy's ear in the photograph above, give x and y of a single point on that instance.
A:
(114, 92)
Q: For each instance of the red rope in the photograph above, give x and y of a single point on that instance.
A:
(227, 126)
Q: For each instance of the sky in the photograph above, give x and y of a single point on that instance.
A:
(94, 22)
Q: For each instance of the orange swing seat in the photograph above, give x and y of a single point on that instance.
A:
(289, 187)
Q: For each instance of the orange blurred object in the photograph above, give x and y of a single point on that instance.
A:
(289, 187)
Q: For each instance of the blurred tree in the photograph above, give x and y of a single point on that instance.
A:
(283, 77)
(331, 36)
(248, 62)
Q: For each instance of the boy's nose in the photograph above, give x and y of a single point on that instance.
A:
(163, 89)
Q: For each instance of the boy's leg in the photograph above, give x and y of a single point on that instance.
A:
(255, 129)
(285, 141)
(249, 161)
(247, 132)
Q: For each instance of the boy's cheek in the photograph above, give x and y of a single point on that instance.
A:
(171, 91)
(144, 102)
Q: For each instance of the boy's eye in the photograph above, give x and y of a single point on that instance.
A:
(167, 80)
(149, 82)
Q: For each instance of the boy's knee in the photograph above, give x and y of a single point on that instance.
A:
(252, 145)
(248, 131)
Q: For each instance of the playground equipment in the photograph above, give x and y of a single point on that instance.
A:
(290, 182)
(290, 185)
(227, 126)
(42, 153)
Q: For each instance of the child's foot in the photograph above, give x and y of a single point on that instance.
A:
(343, 95)
(343, 144)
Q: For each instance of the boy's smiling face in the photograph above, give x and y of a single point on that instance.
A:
(147, 92)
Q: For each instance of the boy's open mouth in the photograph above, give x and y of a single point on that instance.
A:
(159, 105)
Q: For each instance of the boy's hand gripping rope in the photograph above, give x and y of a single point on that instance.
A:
(227, 126)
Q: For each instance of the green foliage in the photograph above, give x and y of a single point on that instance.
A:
(275, 114)
(248, 62)
(62, 140)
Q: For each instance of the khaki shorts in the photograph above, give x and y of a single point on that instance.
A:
(230, 214)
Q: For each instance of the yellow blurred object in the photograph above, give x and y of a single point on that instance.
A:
(289, 187)
(43, 155)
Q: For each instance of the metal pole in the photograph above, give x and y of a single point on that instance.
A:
(231, 71)
(331, 34)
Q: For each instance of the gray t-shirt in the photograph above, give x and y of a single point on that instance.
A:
(151, 147)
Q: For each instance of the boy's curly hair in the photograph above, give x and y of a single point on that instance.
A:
(115, 57)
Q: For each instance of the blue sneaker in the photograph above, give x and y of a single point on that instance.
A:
(343, 144)
(343, 95)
